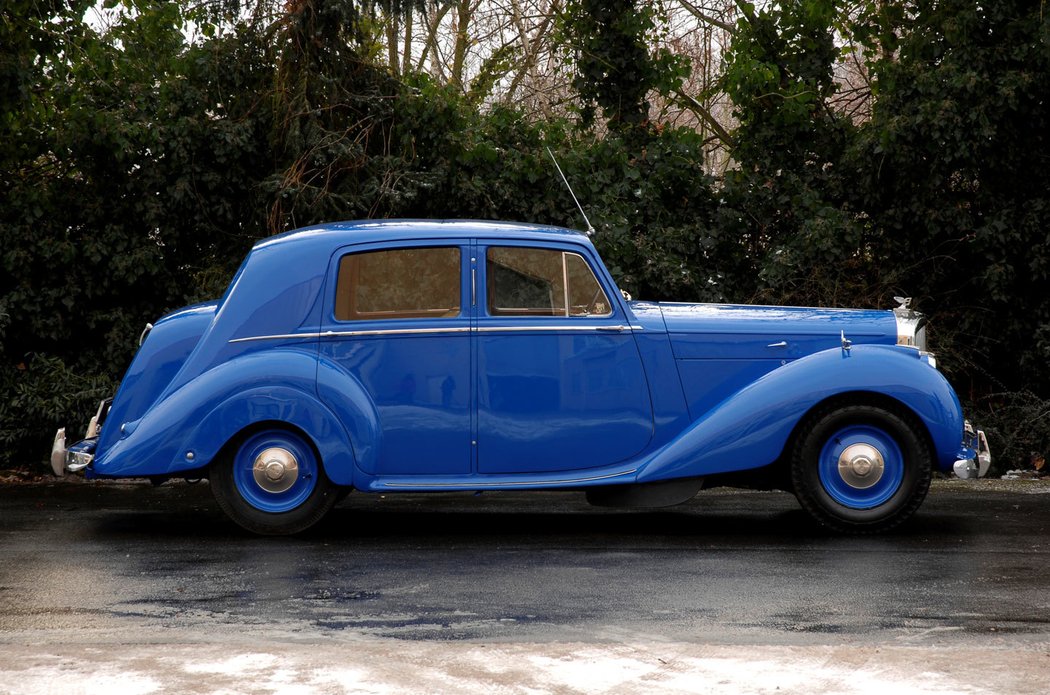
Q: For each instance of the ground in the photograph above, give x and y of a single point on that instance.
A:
(124, 588)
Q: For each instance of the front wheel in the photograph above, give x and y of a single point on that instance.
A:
(273, 484)
(860, 468)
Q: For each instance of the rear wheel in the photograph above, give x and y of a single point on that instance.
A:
(861, 468)
(273, 483)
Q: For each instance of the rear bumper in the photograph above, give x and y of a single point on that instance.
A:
(58, 453)
(73, 459)
(80, 455)
(975, 457)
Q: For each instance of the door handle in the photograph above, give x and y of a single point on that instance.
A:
(782, 343)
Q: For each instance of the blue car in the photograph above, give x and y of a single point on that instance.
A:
(418, 356)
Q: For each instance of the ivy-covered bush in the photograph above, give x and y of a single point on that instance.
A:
(136, 170)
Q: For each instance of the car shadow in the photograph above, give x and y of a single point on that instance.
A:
(551, 519)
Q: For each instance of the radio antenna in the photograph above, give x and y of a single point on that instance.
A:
(590, 229)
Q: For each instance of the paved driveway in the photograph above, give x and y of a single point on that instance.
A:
(126, 588)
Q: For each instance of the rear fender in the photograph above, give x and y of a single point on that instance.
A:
(751, 428)
(282, 407)
(185, 430)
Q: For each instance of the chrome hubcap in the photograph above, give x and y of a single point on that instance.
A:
(275, 470)
(861, 466)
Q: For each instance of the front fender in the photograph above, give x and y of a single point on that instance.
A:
(751, 428)
(187, 429)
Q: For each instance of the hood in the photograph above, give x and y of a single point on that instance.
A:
(733, 331)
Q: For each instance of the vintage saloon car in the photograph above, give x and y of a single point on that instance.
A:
(416, 356)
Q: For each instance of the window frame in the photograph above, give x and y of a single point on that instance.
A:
(483, 309)
(463, 246)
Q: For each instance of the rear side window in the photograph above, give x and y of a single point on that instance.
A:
(399, 284)
(542, 282)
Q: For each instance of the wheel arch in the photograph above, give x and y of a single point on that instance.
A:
(753, 428)
(854, 398)
(184, 431)
(255, 410)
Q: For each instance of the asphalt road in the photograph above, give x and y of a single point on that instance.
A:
(126, 588)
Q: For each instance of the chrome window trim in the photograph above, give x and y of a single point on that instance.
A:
(425, 331)
(596, 329)
(350, 289)
(565, 253)
(391, 331)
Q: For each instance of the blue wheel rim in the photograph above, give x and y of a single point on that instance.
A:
(265, 500)
(839, 487)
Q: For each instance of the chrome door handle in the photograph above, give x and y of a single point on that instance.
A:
(782, 343)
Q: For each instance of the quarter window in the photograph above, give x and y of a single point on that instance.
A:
(542, 282)
(399, 284)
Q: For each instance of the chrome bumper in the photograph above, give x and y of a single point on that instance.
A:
(74, 459)
(976, 456)
(79, 456)
(58, 453)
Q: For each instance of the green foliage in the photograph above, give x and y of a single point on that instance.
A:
(787, 200)
(779, 76)
(137, 169)
(332, 113)
(661, 188)
(133, 184)
(952, 168)
(41, 395)
(944, 195)
(1018, 426)
(615, 68)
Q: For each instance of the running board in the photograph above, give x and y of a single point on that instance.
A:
(490, 483)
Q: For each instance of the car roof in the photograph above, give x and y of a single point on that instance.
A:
(336, 234)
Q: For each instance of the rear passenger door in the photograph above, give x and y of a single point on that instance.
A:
(560, 379)
(400, 324)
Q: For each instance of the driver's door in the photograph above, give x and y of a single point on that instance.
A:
(560, 379)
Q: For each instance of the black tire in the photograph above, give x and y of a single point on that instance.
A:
(852, 489)
(262, 507)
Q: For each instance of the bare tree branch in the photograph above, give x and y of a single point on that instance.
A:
(713, 21)
(699, 109)
(531, 48)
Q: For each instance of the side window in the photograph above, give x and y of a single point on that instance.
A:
(398, 284)
(542, 282)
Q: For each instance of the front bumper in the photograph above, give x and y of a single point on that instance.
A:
(975, 457)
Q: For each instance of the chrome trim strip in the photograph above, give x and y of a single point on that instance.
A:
(350, 334)
(279, 336)
(493, 329)
(472, 485)
(392, 331)
(425, 331)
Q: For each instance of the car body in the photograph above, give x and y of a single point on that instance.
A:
(415, 355)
